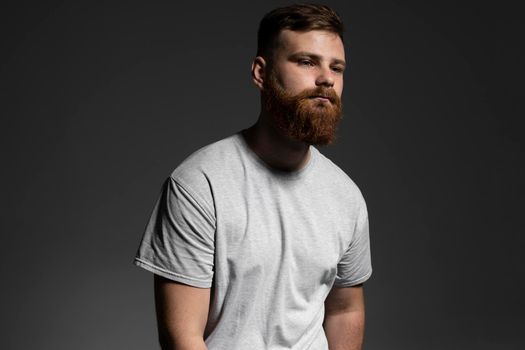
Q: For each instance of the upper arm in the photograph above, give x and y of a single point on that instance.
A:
(182, 311)
(179, 239)
(344, 320)
(355, 265)
(345, 299)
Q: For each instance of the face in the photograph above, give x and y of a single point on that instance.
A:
(303, 60)
(303, 87)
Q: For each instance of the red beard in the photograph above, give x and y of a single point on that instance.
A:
(300, 116)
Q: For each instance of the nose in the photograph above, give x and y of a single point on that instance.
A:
(325, 78)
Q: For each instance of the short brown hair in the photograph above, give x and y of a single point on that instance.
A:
(298, 17)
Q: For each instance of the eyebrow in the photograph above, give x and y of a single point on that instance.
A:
(316, 57)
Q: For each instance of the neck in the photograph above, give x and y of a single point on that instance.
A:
(274, 148)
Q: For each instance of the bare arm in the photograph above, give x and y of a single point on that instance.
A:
(344, 321)
(182, 312)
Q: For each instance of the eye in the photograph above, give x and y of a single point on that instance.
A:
(305, 62)
(338, 69)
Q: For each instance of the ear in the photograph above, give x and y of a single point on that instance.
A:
(259, 67)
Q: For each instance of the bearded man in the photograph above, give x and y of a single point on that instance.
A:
(259, 241)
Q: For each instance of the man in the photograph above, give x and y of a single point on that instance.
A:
(258, 241)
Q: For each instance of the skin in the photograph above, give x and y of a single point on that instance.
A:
(344, 320)
(182, 312)
(301, 60)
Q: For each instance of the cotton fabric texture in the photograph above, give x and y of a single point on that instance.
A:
(270, 244)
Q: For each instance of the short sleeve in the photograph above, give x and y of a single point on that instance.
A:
(355, 266)
(178, 242)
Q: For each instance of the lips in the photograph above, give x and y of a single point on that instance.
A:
(322, 96)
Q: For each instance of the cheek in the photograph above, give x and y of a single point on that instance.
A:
(299, 82)
(339, 91)
(294, 79)
(338, 87)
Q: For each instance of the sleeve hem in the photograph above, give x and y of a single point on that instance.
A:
(355, 282)
(194, 282)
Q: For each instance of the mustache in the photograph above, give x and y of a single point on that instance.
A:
(319, 92)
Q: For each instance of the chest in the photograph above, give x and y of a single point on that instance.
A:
(282, 229)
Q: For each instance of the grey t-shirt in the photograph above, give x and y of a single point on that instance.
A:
(270, 244)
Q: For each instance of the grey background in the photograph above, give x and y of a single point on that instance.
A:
(99, 102)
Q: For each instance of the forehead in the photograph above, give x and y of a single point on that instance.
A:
(319, 42)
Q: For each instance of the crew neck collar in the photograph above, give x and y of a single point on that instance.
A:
(284, 174)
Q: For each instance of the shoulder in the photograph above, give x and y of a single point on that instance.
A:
(196, 171)
(206, 161)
